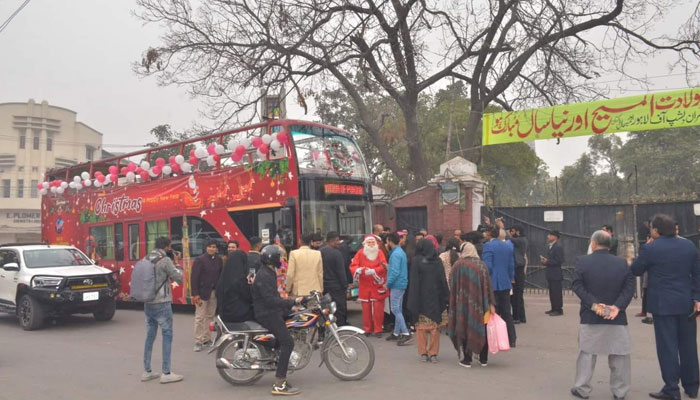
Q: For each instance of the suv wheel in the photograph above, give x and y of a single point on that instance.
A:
(30, 313)
(106, 311)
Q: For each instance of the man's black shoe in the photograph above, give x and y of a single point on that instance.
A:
(618, 398)
(647, 320)
(516, 321)
(575, 393)
(549, 312)
(556, 313)
(392, 337)
(284, 389)
(663, 396)
(692, 396)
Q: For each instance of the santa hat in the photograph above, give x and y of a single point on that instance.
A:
(368, 237)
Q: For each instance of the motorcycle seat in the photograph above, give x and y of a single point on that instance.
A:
(247, 326)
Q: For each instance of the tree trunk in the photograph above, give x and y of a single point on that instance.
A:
(400, 173)
(472, 136)
(417, 161)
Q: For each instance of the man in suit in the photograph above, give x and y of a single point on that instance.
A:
(673, 294)
(553, 262)
(305, 269)
(498, 257)
(517, 237)
(605, 286)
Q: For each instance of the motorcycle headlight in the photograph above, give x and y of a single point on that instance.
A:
(332, 318)
(333, 307)
(46, 281)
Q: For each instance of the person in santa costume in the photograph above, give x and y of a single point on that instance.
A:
(369, 268)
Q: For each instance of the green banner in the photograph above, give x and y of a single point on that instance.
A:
(678, 108)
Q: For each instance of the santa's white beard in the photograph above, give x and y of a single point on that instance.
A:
(371, 253)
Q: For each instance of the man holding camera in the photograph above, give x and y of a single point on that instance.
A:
(605, 286)
(673, 298)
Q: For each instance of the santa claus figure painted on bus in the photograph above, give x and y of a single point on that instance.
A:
(369, 268)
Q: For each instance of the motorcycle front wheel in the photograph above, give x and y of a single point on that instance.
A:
(233, 351)
(353, 366)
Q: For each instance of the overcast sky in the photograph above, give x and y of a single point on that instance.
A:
(78, 54)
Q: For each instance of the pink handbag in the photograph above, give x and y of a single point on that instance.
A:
(497, 334)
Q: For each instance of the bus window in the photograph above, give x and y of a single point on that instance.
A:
(134, 242)
(200, 233)
(104, 241)
(118, 242)
(176, 233)
(154, 230)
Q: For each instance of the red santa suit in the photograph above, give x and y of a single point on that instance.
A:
(371, 275)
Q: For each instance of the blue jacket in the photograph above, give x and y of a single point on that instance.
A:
(397, 273)
(498, 257)
(674, 275)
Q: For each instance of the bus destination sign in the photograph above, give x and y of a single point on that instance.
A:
(339, 188)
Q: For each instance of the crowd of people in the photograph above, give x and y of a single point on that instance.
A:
(451, 285)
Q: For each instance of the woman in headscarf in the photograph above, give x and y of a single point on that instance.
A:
(471, 297)
(234, 298)
(450, 257)
(428, 298)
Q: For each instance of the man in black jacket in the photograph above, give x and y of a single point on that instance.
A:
(520, 254)
(270, 310)
(553, 262)
(335, 281)
(605, 286)
(205, 274)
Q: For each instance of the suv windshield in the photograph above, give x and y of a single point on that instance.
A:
(45, 258)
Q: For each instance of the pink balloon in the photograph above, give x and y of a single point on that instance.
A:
(171, 160)
(264, 148)
(240, 150)
(193, 160)
(192, 154)
(113, 169)
(144, 175)
(113, 177)
(157, 169)
(131, 167)
(283, 137)
(124, 170)
(236, 157)
(176, 168)
(257, 141)
(139, 170)
(160, 162)
(211, 149)
(40, 186)
(101, 178)
(216, 157)
(98, 173)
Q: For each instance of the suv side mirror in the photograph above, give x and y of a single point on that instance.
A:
(11, 267)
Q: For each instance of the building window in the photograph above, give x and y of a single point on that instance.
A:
(36, 142)
(49, 144)
(20, 188)
(20, 169)
(35, 169)
(34, 190)
(6, 188)
(22, 141)
(89, 153)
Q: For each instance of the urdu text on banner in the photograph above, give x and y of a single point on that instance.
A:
(673, 109)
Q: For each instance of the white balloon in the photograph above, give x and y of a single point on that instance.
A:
(78, 186)
(210, 161)
(245, 142)
(151, 173)
(76, 179)
(45, 185)
(167, 170)
(266, 138)
(186, 167)
(85, 175)
(130, 176)
(145, 165)
(71, 185)
(53, 189)
(87, 183)
(60, 190)
(275, 145)
(43, 192)
(64, 185)
(219, 149)
(201, 152)
(97, 184)
(232, 144)
(179, 159)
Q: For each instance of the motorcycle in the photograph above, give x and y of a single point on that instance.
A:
(245, 350)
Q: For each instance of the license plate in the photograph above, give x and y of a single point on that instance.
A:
(91, 296)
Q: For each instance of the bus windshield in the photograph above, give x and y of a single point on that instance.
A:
(322, 151)
(350, 218)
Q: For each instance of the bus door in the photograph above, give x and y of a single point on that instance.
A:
(134, 244)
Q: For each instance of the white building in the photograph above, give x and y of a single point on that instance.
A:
(35, 138)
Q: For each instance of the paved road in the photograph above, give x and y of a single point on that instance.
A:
(79, 358)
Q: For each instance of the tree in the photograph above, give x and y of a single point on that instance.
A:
(604, 152)
(511, 53)
(577, 180)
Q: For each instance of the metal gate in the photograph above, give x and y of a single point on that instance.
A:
(412, 218)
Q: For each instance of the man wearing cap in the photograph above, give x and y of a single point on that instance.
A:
(206, 270)
(369, 268)
(553, 262)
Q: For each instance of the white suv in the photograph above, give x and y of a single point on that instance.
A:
(39, 281)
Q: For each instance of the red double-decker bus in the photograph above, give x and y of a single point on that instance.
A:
(274, 180)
